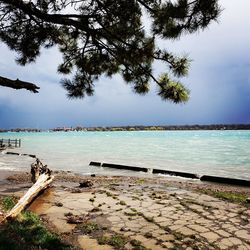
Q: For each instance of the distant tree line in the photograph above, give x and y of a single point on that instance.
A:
(140, 128)
(21, 130)
(168, 127)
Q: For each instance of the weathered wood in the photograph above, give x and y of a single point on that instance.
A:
(42, 177)
(37, 168)
(42, 183)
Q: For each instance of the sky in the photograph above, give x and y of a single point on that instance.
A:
(219, 81)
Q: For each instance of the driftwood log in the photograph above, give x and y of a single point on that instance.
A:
(42, 177)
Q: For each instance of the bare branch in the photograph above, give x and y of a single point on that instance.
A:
(18, 84)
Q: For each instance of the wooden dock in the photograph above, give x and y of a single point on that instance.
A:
(15, 143)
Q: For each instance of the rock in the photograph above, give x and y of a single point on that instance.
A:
(92, 175)
(75, 219)
(248, 200)
(58, 204)
(148, 235)
(75, 190)
(68, 214)
(86, 183)
(124, 229)
(95, 209)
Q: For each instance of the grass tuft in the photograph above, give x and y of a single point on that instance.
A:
(89, 227)
(229, 196)
(9, 202)
(137, 245)
(116, 240)
(27, 232)
(123, 203)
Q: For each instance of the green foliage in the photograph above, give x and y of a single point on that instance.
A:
(171, 90)
(105, 38)
(140, 181)
(130, 213)
(123, 203)
(229, 196)
(137, 245)
(8, 202)
(89, 227)
(116, 240)
(28, 233)
(174, 18)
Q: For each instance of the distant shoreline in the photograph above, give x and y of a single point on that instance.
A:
(136, 128)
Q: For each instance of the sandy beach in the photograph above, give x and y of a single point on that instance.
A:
(152, 213)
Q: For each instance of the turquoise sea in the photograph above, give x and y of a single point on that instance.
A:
(221, 153)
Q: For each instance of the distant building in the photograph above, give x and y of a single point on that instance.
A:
(65, 129)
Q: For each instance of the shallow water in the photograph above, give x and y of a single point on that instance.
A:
(222, 153)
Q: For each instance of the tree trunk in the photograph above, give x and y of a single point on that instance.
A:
(17, 84)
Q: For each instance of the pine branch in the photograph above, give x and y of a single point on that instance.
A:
(18, 84)
(61, 19)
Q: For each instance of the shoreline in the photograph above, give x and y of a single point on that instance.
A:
(17, 176)
(143, 172)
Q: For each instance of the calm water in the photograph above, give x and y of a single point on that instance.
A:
(223, 153)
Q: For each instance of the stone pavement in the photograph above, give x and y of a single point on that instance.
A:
(140, 216)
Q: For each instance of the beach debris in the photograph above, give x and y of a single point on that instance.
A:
(30, 155)
(43, 178)
(58, 204)
(75, 190)
(125, 229)
(37, 168)
(12, 153)
(86, 183)
(95, 209)
(75, 219)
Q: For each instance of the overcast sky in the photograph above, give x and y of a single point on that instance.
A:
(219, 81)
